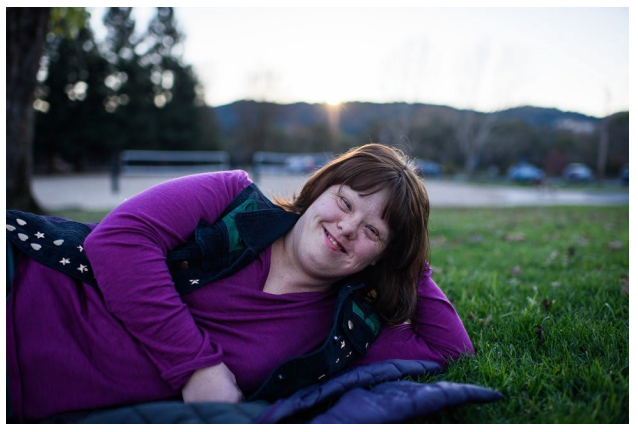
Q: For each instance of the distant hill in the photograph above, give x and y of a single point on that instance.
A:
(550, 117)
(355, 117)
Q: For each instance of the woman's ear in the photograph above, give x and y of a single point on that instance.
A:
(376, 261)
(380, 258)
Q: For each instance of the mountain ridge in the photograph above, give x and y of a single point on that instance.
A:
(355, 116)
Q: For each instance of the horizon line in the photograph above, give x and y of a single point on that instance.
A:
(339, 104)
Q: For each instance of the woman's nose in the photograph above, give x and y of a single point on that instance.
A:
(348, 227)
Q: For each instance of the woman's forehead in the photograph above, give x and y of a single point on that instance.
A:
(375, 201)
(363, 192)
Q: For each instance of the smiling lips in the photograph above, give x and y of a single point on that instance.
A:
(334, 242)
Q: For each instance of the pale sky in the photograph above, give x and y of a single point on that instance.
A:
(573, 59)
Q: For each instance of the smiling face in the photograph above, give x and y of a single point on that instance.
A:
(393, 281)
(341, 233)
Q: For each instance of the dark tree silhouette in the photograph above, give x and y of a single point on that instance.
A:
(26, 30)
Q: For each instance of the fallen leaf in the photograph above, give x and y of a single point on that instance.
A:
(516, 271)
(624, 281)
(571, 251)
(486, 321)
(438, 241)
(615, 245)
(556, 284)
(546, 304)
(581, 241)
(515, 237)
(539, 334)
(436, 270)
(475, 238)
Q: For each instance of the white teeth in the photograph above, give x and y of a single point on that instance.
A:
(334, 242)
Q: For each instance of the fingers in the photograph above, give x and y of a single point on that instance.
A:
(212, 384)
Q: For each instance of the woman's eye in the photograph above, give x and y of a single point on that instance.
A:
(372, 230)
(345, 203)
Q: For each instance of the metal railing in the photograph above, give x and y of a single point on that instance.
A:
(154, 162)
(287, 163)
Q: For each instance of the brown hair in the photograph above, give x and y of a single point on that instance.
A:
(392, 282)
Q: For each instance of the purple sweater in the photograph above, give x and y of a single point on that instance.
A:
(73, 347)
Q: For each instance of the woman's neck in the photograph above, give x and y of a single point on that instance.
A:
(286, 275)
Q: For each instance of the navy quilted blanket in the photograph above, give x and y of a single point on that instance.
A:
(374, 393)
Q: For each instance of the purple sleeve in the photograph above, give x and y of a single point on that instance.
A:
(128, 253)
(436, 332)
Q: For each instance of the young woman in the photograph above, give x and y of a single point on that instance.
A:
(129, 336)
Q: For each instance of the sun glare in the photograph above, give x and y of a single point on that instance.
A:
(334, 102)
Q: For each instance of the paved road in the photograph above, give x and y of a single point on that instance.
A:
(93, 192)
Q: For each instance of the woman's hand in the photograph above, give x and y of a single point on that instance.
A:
(212, 384)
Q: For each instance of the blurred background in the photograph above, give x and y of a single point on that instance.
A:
(481, 95)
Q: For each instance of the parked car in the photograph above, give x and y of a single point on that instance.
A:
(624, 174)
(306, 163)
(526, 173)
(578, 172)
(427, 168)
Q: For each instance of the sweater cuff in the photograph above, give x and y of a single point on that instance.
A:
(210, 355)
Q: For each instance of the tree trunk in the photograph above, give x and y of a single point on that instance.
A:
(603, 145)
(26, 31)
(472, 136)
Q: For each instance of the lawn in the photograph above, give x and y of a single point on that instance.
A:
(544, 295)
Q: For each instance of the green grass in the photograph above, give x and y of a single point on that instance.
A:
(540, 291)
(86, 216)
